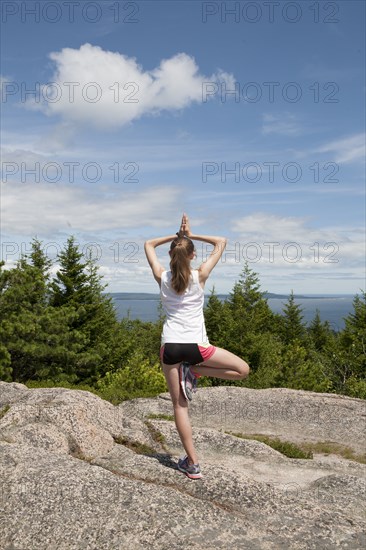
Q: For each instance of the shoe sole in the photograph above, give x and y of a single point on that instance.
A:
(188, 396)
(188, 474)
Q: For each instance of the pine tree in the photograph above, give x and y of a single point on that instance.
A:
(266, 355)
(18, 299)
(100, 311)
(60, 330)
(351, 357)
(303, 371)
(355, 324)
(319, 333)
(248, 304)
(43, 264)
(217, 320)
(35, 337)
(70, 286)
(292, 325)
(5, 363)
(246, 291)
(78, 285)
(5, 357)
(250, 315)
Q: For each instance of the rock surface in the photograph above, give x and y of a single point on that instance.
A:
(70, 477)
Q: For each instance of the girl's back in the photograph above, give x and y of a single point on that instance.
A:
(185, 320)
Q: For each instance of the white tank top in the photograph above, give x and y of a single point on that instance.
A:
(184, 322)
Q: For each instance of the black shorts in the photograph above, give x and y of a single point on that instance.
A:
(172, 353)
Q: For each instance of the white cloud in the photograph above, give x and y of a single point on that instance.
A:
(50, 210)
(284, 124)
(262, 224)
(293, 237)
(110, 89)
(4, 79)
(349, 149)
(19, 155)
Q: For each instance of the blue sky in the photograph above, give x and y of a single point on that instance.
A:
(143, 130)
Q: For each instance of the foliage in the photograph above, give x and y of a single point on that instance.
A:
(319, 333)
(137, 378)
(136, 446)
(292, 327)
(217, 320)
(285, 447)
(266, 355)
(5, 362)
(160, 416)
(329, 447)
(63, 331)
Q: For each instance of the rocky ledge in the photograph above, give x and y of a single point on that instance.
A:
(77, 472)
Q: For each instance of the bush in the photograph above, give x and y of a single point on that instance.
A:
(138, 378)
(355, 387)
(285, 447)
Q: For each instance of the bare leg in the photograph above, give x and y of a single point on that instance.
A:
(180, 406)
(223, 364)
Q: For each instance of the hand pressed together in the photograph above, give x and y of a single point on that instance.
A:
(184, 230)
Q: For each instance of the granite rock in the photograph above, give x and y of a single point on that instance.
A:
(71, 476)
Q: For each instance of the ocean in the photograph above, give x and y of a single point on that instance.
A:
(331, 308)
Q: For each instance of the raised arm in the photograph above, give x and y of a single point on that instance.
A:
(206, 267)
(154, 263)
(219, 244)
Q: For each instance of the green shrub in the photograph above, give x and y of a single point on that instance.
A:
(285, 447)
(135, 446)
(329, 447)
(153, 416)
(137, 378)
(355, 387)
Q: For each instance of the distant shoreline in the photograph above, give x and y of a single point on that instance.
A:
(156, 296)
(332, 308)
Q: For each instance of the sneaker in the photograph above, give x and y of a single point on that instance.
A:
(193, 471)
(188, 381)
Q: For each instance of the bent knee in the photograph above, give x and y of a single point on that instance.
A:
(244, 370)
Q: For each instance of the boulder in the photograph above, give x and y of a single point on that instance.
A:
(78, 472)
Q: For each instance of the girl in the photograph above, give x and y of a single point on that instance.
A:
(185, 352)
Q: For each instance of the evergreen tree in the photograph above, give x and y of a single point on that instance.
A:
(42, 264)
(354, 333)
(350, 358)
(25, 286)
(19, 296)
(246, 292)
(319, 333)
(5, 362)
(249, 314)
(301, 370)
(266, 355)
(35, 338)
(70, 286)
(292, 325)
(100, 313)
(78, 285)
(217, 320)
(62, 330)
(247, 301)
(65, 331)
